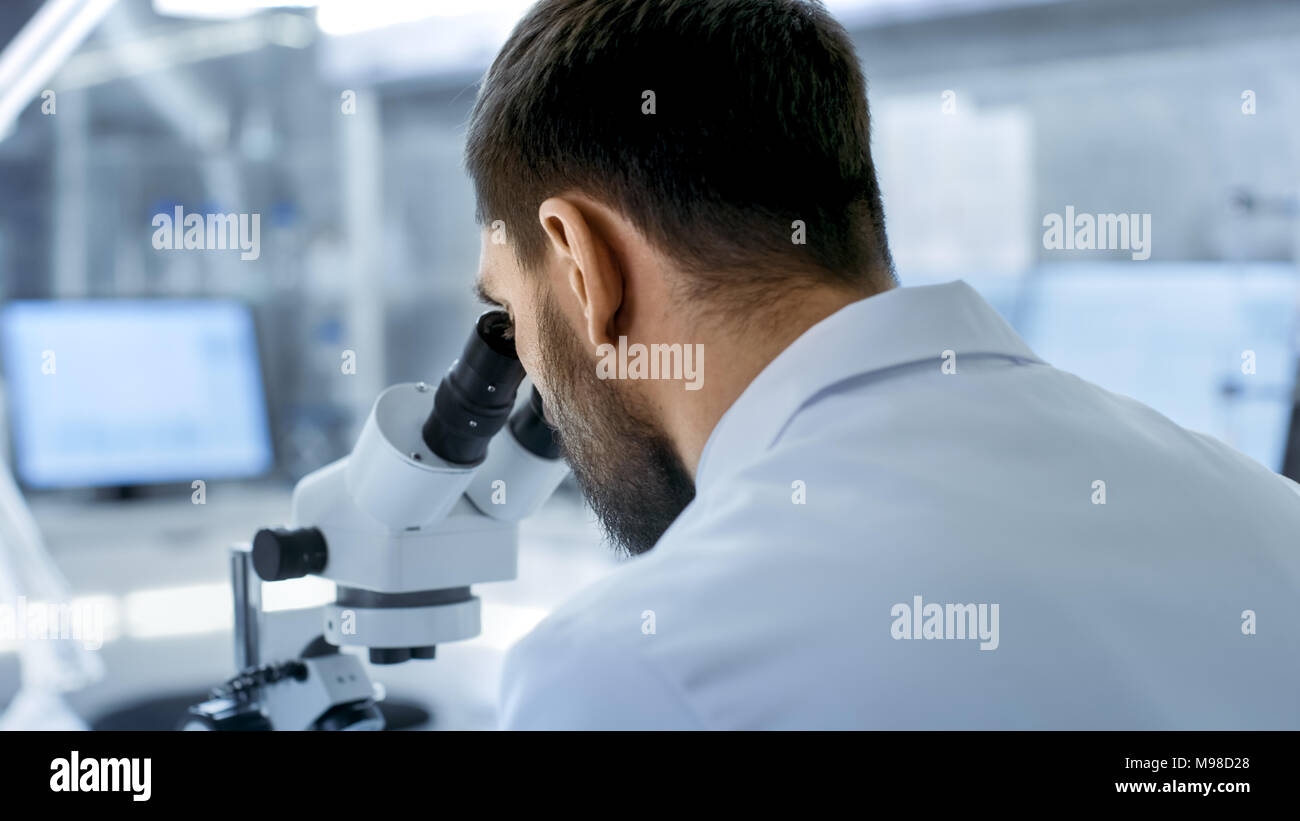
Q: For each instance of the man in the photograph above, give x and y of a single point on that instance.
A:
(849, 504)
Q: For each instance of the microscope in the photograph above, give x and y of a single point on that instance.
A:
(420, 510)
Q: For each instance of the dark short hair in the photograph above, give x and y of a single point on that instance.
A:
(760, 119)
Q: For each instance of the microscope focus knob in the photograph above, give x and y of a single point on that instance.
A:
(288, 554)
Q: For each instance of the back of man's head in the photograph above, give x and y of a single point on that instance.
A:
(732, 133)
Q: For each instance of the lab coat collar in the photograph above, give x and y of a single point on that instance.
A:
(897, 327)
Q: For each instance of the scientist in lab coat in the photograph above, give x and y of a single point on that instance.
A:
(848, 504)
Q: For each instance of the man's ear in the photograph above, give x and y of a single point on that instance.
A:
(587, 262)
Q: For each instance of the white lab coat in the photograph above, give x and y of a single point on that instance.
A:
(855, 474)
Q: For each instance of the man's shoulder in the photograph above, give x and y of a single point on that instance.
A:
(609, 615)
(585, 665)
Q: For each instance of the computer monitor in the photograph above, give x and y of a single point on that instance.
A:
(121, 393)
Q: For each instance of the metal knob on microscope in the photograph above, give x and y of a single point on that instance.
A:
(288, 554)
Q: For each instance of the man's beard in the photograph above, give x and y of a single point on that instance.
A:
(625, 464)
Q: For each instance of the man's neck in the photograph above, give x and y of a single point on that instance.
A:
(735, 356)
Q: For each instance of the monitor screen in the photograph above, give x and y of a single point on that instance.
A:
(131, 392)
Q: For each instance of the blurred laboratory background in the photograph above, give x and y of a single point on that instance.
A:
(341, 125)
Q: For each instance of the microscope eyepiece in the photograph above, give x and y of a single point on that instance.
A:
(475, 397)
(493, 330)
(533, 432)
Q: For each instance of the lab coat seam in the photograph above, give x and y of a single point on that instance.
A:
(994, 339)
